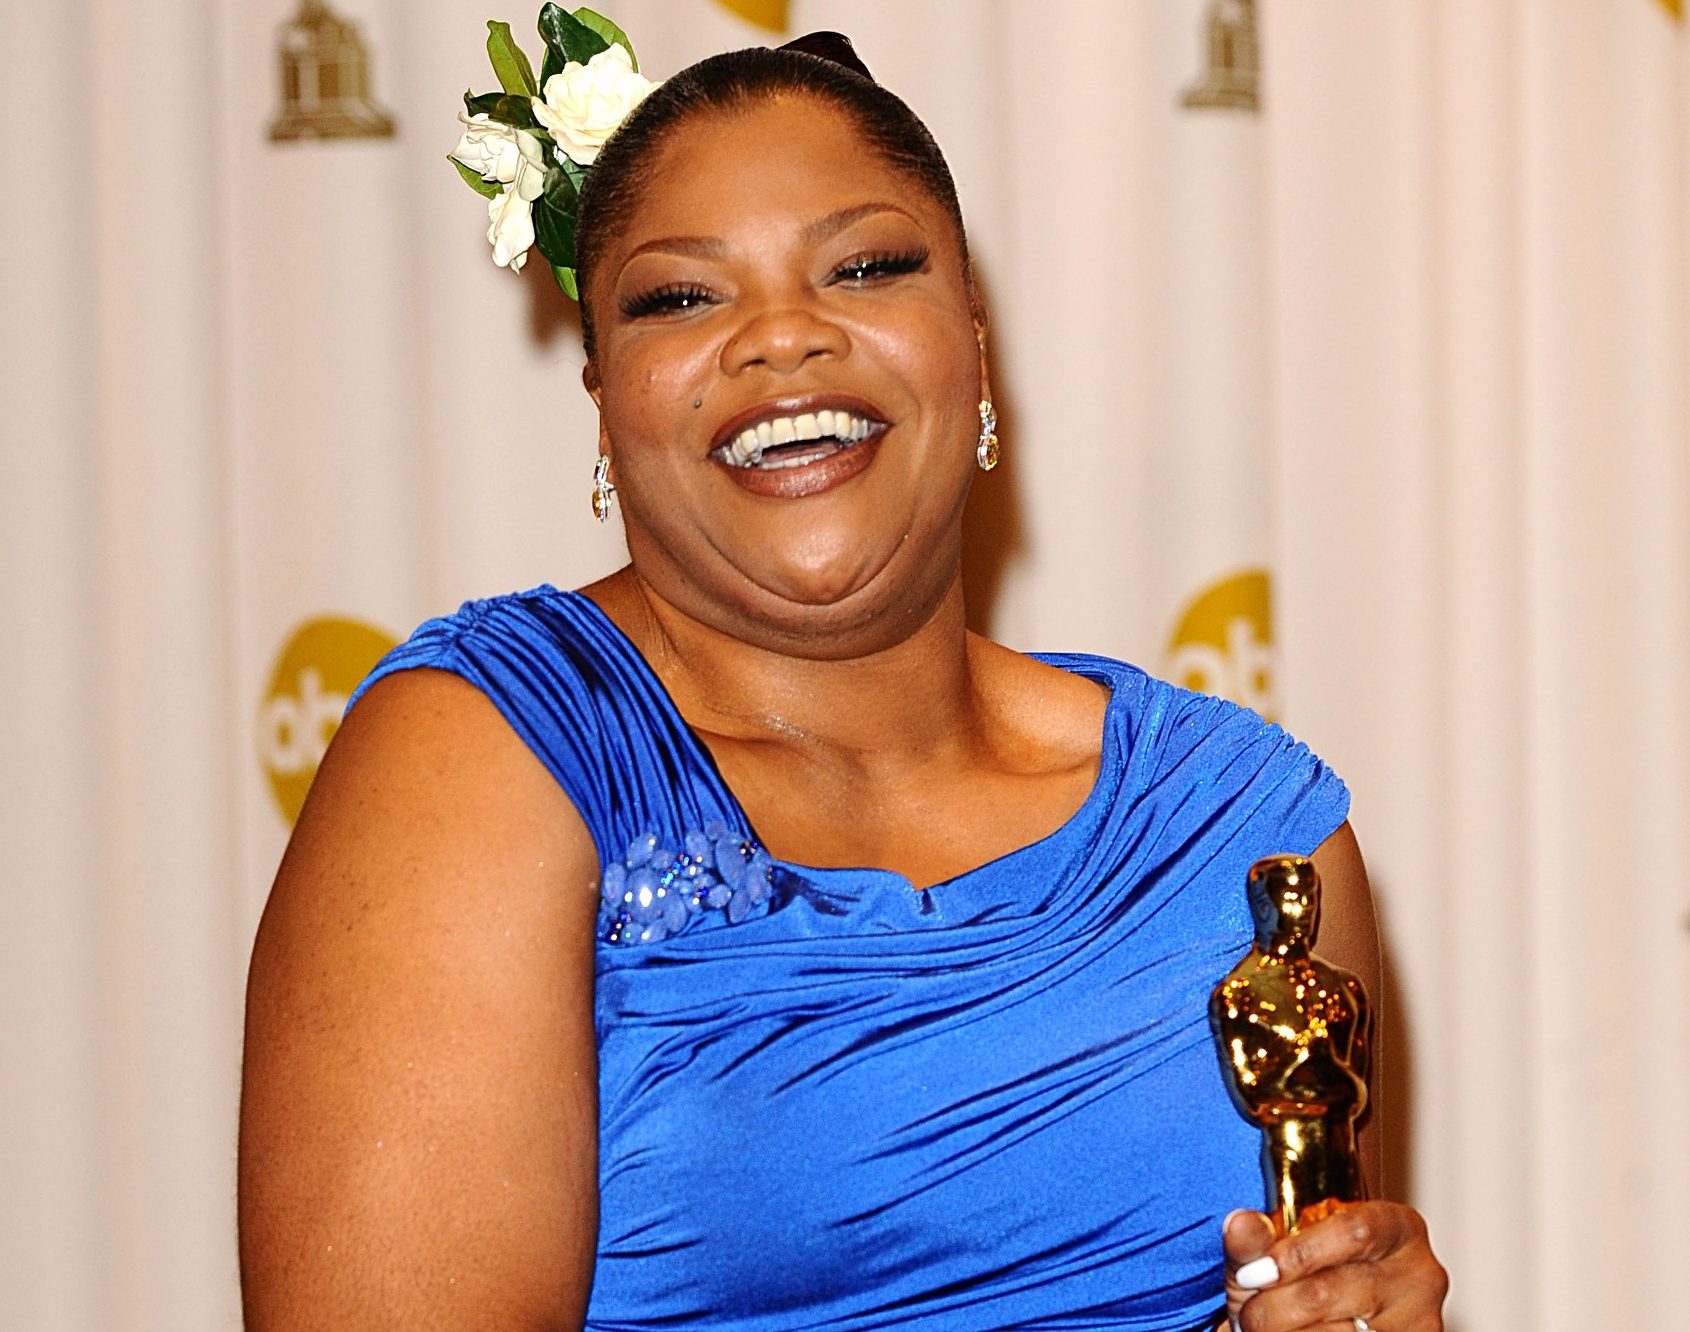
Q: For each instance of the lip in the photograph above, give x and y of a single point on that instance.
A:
(810, 479)
(796, 406)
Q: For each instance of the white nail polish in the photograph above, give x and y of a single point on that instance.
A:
(1253, 1276)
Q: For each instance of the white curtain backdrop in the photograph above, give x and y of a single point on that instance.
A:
(1411, 343)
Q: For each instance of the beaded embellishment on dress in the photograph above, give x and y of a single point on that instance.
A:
(654, 892)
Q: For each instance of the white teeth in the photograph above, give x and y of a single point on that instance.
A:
(748, 447)
(795, 460)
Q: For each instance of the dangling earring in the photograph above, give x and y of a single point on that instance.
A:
(986, 452)
(602, 489)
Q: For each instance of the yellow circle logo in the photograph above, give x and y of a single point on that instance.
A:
(770, 14)
(315, 673)
(1223, 643)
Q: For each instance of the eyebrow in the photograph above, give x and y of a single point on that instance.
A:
(831, 225)
(822, 228)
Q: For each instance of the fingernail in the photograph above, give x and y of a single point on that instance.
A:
(1253, 1276)
(1226, 1221)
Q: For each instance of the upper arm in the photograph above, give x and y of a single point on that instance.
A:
(1349, 938)
(418, 1108)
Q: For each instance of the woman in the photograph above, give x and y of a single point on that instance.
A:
(572, 1004)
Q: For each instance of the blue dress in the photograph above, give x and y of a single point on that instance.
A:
(830, 1101)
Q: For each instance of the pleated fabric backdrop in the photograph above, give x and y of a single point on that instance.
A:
(1344, 359)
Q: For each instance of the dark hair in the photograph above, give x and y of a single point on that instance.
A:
(822, 65)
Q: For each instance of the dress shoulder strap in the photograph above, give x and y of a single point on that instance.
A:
(585, 702)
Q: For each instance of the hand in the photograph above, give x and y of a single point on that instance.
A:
(1370, 1260)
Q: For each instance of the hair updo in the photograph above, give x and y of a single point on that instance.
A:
(822, 65)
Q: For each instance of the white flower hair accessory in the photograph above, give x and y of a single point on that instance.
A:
(583, 104)
(516, 160)
(527, 147)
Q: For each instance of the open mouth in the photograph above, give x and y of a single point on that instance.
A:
(779, 442)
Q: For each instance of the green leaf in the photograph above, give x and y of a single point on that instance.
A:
(574, 174)
(487, 189)
(568, 37)
(516, 75)
(566, 280)
(506, 108)
(515, 110)
(606, 29)
(554, 219)
(554, 233)
(552, 64)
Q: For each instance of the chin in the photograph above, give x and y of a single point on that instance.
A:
(840, 600)
(822, 571)
(814, 578)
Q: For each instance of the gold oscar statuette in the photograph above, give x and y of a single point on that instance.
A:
(1292, 1031)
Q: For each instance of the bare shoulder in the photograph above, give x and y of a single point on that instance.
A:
(1349, 938)
(1065, 710)
(418, 1102)
(1349, 925)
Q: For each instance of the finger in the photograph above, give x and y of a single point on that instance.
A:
(1358, 1233)
(1412, 1315)
(1342, 1325)
(1247, 1237)
(1256, 1274)
(1329, 1299)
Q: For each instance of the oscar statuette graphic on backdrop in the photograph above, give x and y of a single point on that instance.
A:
(325, 72)
(1233, 77)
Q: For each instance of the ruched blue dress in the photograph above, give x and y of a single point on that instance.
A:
(830, 1101)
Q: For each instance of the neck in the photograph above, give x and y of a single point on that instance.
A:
(910, 697)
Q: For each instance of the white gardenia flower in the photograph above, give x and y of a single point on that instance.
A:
(497, 151)
(511, 228)
(516, 159)
(583, 104)
(488, 148)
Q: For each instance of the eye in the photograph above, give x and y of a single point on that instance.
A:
(671, 298)
(867, 269)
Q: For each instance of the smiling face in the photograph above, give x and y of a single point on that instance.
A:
(788, 368)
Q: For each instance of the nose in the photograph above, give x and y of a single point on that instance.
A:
(782, 335)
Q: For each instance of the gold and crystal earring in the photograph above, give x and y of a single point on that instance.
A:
(602, 489)
(986, 452)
